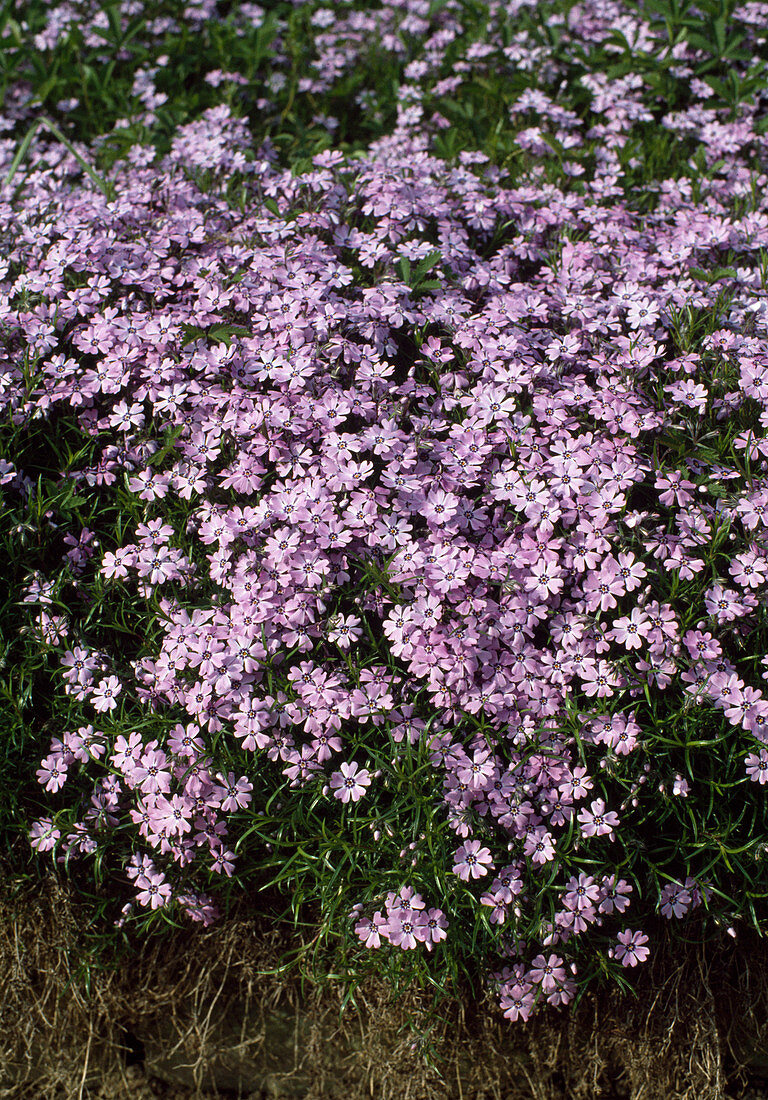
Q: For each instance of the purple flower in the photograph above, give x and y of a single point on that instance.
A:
(596, 821)
(43, 835)
(350, 783)
(630, 949)
(471, 860)
(153, 890)
(675, 900)
(547, 972)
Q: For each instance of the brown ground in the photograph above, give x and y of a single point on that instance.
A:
(209, 1001)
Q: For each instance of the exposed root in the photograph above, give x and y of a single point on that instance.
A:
(209, 1001)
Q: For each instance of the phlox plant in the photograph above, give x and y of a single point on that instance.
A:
(396, 521)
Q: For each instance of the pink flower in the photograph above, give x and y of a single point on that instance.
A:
(471, 860)
(104, 695)
(517, 1001)
(599, 679)
(371, 929)
(404, 929)
(43, 835)
(152, 773)
(173, 814)
(350, 783)
(581, 892)
(127, 752)
(238, 792)
(749, 570)
(631, 948)
(440, 507)
(614, 895)
(434, 927)
(642, 313)
(630, 629)
(406, 899)
(596, 822)
(547, 973)
(757, 766)
(344, 630)
(80, 666)
(154, 891)
(115, 565)
(675, 900)
(53, 771)
(539, 845)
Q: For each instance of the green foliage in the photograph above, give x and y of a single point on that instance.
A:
(81, 95)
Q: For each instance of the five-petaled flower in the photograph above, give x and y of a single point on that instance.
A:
(631, 948)
(472, 860)
(351, 782)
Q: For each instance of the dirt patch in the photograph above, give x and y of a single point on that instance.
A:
(214, 1012)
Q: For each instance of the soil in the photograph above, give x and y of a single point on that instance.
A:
(694, 1029)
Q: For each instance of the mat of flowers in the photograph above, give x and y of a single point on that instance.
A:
(470, 579)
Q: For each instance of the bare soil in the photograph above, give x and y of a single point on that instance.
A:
(209, 1013)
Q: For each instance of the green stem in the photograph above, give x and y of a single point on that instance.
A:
(106, 188)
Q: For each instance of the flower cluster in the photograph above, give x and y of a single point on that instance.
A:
(418, 467)
(406, 923)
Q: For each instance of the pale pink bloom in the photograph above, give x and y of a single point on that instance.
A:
(440, 507)
(350, 783)
(154, 891)
(43, 835)
(80, 665)
(539, 845)
(53, 771)
(344, 630)
(104, 695)
(406, 899)
(642, 313)
(371, 929)
(404, 930)
(152, 773)
(630, 571)
(547, 973)
(631, 948)
(238, 792)
(596, 822)
(581, 891)
(173, 814)
(749, 570)
(471, 860)
(757, 766)
(434, 926)
(680, 787)
(629, 630)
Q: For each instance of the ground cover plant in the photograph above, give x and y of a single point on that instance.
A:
(385, 488)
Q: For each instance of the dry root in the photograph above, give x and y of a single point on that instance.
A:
(213, 999)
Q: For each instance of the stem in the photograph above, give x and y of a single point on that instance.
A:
(106, 188)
